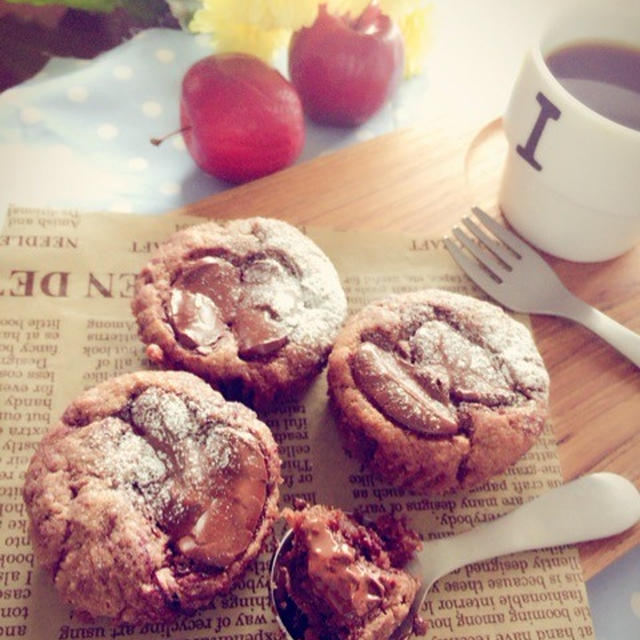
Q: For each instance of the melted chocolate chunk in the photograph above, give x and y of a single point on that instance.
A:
(349, 585)
(223, 524)
(216, 479)
(397, 391)
(216, 279)
(214, 298)
(257, 334)
(196, 320)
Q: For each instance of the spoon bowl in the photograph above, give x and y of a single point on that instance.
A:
(594, 506)
(290, 619)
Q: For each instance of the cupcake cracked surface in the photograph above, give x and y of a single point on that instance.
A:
(252, 306)
(151, 496)
(437, 391)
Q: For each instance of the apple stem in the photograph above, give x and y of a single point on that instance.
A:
(158, 141)
(366, 22)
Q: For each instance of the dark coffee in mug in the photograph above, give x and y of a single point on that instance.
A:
(603, 76)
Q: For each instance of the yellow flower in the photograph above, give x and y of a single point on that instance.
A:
(268, 15)
(414, 24)
(239, 36)
(263, 27)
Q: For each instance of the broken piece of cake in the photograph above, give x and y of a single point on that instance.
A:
(344, 577)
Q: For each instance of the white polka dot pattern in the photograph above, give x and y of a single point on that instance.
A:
(137, 163)
(165, 55)
(30, 115)
(169, 188)
(107, 131)
(178, 142)
(122, 72)
(77, 93)
(152, 109)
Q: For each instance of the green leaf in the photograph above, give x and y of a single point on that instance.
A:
(87, 5)
(145, 10)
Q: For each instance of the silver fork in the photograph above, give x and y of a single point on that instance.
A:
(512, 273)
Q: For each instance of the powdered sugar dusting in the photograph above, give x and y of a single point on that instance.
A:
(273, 287)
(129, 464)
(171, 448)
(163, 416)
(470, 371)
(324, 303)
(218, 447)
(510, 344)
(519, 355)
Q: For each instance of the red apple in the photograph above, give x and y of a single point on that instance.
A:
(344, 69)
(241, 119)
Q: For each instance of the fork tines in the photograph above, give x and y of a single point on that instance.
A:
(494, 254)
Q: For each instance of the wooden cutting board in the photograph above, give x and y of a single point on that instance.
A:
(423, 182)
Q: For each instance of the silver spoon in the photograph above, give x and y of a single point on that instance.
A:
(594, 506)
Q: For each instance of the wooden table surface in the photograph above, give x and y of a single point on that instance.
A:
(423, 181)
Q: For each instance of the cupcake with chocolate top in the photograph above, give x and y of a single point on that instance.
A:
(151, 496)
(437, 391)
(252, 306)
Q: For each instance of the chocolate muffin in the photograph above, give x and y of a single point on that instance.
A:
(252, 306)
(341, 579)
(151, 496)
(437, 391)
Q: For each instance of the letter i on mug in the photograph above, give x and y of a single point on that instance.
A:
(548, 111)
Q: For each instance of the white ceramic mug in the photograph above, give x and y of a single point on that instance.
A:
(571, 182)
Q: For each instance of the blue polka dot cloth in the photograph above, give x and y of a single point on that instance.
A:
(78, 134)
